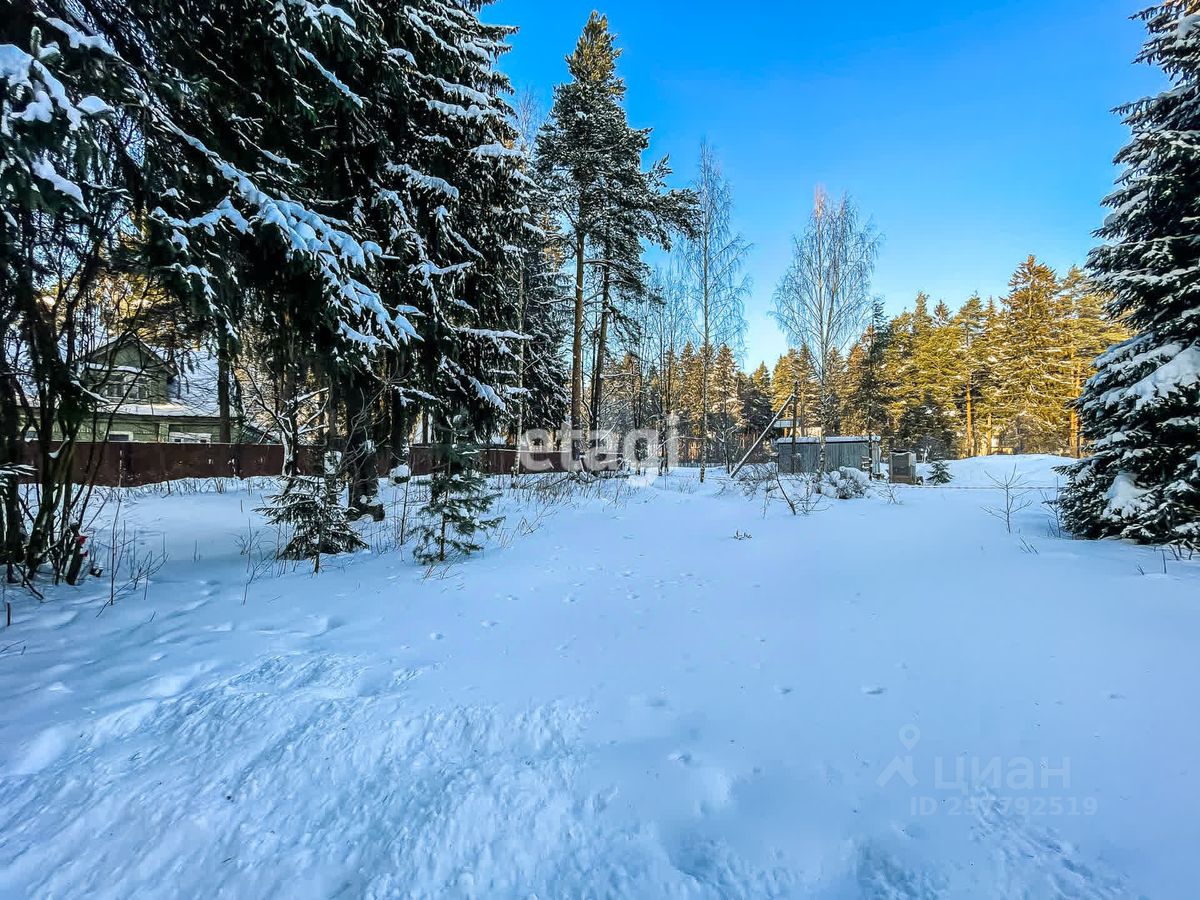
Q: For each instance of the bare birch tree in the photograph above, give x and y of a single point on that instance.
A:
(529, 115)
(713, 260)
(824, 298)
(668, 323)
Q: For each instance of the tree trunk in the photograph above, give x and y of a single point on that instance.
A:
(361, 452)
(1076, 437)
(664, 464)
(12, 525)
(704, 350)
(224, 412)
(795, 421)
(970, 419)
(825, 401)
(516, 469)
(704, 414)
(577, 349)
(290, 418)
(598, 367)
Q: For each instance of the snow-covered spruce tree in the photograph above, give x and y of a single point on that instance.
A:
(545, 320)
(460, 214)
(456, 203)
(308, 510)
(939, 472)
(1141, 410)
(459, 500)
(543, 298)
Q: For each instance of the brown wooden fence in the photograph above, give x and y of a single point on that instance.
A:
(134, 464)
(499, 461)
(122, 464)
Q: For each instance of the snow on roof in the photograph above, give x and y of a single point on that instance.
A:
(164, 410)
(196, 384)
(192, 393)
(832, 439)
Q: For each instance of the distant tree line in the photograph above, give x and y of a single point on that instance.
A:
(995, 375)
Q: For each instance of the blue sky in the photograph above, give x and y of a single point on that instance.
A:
(973, 132)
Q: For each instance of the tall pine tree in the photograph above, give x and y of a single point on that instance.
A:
(588, 162)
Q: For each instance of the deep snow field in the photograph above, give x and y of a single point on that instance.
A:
(618, 698)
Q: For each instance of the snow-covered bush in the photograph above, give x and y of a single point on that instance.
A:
(845, 484)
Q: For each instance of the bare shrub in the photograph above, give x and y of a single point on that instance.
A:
(1015, 498)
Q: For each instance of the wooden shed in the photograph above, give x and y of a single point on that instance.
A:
(849, 451)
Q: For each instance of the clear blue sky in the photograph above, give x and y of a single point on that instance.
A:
(973, 132)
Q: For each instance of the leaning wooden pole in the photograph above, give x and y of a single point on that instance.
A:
(754, 446)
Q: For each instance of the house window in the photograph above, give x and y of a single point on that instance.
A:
(119, 437)
(186, 437)
(126, 386)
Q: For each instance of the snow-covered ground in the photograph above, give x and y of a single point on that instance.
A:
(620, 697)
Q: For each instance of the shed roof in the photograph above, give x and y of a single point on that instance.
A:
(832, 439)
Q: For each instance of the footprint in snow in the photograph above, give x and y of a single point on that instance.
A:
(873, 689)
(488, 623)
(436, 636)
(783, 689)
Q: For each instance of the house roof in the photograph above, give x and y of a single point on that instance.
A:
(129, 339)
(192, 387)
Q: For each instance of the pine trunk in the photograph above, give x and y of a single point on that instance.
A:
(1076, 440)
(598, 367)
(970, 420)
(577, 350)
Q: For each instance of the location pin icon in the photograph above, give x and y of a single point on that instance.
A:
(909, 736)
